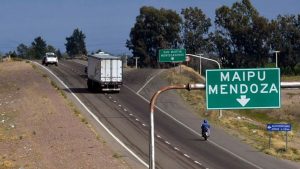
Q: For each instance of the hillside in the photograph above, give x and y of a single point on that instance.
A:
(40, 128)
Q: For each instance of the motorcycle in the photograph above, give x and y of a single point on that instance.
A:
(205, 134)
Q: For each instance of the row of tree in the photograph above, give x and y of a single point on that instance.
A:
(75, 46)
(241, 37)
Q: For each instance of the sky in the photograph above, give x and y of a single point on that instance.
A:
(106, 23)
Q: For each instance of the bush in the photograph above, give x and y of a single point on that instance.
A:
(297, 69)
(270, 65)
(287, 71)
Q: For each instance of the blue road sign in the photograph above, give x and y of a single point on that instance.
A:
(279, 127)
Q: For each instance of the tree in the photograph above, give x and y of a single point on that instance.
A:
(22, 51)
(244, 34)
(50, 48)
(195, 30)
(58, 54)
(154, 29)
(39, 48)
(285, 37)
(12, 54)
(75, 44)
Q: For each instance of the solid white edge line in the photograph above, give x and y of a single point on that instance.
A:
(148, 82)
(95, 117)
(193, 131)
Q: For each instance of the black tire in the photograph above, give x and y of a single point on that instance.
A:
(90, 85)
(46, 64)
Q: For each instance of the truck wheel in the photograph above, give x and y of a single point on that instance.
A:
(90, 85)
(46, 64)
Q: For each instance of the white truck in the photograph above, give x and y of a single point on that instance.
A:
(104, 72)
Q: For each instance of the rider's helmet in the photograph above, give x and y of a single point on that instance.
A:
(204, 121)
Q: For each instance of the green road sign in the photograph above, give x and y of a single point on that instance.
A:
(172, 55)
(243, 88)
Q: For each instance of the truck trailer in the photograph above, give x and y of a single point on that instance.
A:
(105, 72)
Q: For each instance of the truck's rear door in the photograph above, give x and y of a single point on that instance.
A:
(116, 71)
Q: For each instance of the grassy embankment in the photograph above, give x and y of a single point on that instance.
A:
(248, 125)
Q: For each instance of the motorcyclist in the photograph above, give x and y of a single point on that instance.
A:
(205, 127)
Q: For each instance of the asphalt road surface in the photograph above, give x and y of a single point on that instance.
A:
(177, 145)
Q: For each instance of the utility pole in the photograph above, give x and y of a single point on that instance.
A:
(200, 64)
(136, 58)
(276, 51)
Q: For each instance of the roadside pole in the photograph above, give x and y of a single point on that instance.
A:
(269, 140)
(286, 137)
(152, 106)
(200, 56)
(136, 59)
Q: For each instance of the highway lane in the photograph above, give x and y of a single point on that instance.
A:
(121, 123)
(133, 133)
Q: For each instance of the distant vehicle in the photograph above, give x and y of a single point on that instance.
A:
(50, 58)
(104, 72)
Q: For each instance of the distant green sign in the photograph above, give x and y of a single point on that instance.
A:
(172, 55)
(243, 88)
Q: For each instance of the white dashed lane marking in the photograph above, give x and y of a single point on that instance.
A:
(186, 155)
(197, 162)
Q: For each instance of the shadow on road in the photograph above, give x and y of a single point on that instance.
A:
(78, 90)
(86, 90)
(198, 139)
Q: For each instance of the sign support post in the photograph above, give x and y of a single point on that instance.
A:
(286, 137)
(269, 140)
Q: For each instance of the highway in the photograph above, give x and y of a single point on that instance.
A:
(178, 143)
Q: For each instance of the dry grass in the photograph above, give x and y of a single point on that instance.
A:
(290, 78)
(249, 125)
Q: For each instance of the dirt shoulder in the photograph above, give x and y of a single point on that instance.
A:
(39, 128)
